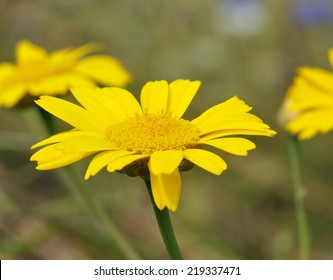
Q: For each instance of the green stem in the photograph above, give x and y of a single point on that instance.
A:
(78, 187)
(302, 226)
(166, 229)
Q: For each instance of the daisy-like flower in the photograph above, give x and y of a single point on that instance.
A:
(40, 73)
(308, 106)
(152, 140)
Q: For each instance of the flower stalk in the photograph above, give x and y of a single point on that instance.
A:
(301, 219)
(166, 229)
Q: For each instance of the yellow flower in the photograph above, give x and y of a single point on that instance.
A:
(151, 140)
(39, 73)
(308, 107)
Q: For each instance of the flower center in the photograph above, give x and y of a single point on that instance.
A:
(150, 133)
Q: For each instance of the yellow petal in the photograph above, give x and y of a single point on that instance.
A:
(165, 162)
(85, 143)
(305, 95)
(206, 160)
(239, 121)
(61, 136)
(233, 145)
(232, 106)
(105, 70)
(228, 118)
(50, 158)
(166, 189)
(320, 78)
(103, 159)
(264, 131)
(181, 93)
(93, 101)
(120, 163)
(61, 56)
(74, 54)
(10, 96)
(6, 70)
(71, 113)
(310, 123)
(125, 102)
(26, 51)
(154, 97)
(59, 83)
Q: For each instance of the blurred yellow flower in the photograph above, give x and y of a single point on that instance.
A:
(152, 140)
(308, 106)
(39, 73)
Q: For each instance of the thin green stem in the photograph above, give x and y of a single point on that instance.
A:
(301, 219)
(79, 188)
(166, 229)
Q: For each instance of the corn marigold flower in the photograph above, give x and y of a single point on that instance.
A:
(40, 73)
(152, 140)
(308, 106)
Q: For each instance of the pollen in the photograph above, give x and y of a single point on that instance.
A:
(150, 133)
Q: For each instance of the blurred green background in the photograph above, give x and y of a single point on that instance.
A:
(248, 48)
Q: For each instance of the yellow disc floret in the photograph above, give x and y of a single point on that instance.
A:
(150, 133)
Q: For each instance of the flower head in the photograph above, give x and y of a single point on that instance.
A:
(39, 73)
(308, 107)
(152, 140)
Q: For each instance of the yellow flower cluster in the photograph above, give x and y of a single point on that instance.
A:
(308, 107)
(150, 139)
(39, 73)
